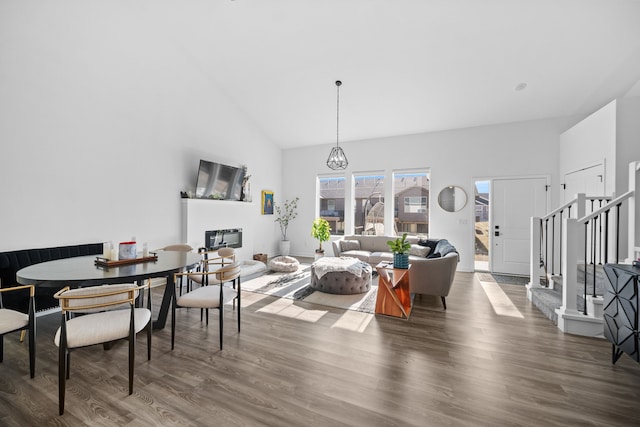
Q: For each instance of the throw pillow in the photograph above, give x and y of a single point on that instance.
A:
(421, 251)
(430, 243)
(349, 245)
(444, 247)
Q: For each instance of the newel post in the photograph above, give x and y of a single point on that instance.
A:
(570, 241)
(634, 210)
(534, 255)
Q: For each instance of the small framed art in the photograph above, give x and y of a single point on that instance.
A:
(267, 202)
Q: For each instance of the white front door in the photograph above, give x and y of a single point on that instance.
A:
(514, 202)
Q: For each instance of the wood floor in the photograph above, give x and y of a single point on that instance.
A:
(296, 364)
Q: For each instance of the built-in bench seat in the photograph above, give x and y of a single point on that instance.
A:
(11, 262)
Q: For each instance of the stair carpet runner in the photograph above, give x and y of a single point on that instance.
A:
(548, 300)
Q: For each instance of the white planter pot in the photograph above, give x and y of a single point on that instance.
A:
(318, 256)
(285, 247)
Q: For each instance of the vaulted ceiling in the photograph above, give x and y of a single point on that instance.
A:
(407, 66)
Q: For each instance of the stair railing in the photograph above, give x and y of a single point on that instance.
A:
(547, 245)
(596, 237)
(593, 237)
(543, 242)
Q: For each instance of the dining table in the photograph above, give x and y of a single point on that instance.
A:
(84, 271)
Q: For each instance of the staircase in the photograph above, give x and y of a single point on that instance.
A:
(549, 299)
(569, 247)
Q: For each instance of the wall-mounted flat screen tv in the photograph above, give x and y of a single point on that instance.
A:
(219, 181)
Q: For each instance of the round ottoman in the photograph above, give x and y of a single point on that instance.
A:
(345, 276)
(284, 264)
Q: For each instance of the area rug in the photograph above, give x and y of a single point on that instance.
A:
(503, 279)
(297, 286)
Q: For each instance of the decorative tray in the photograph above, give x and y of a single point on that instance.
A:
(385, 264)
(105, 262)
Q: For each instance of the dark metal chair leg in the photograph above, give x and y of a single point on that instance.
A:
(444, 303)
(32, 337)
(221, 322)
(62, 367)
(132, 348)
(173, 322)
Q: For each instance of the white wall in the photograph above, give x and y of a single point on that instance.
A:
(456, 157)
(610, 136)
(200, 215)
(628, 139)
(627, 150)
(102, 124)
(591, 141)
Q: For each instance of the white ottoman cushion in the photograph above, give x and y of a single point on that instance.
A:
(284, 264)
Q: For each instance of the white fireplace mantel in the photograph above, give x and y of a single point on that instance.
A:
(200, 215)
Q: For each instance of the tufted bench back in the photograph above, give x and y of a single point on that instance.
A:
(11, 262)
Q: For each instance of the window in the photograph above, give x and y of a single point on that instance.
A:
(415, 204)
(331, 202)
(368, 205)
(411, 196)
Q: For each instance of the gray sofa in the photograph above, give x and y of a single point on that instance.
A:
(433, 261)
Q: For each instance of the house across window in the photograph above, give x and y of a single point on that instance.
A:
(331, 202)
(415, 204)
(411, 197)
(368, 213)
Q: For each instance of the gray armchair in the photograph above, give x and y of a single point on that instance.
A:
(434, 276)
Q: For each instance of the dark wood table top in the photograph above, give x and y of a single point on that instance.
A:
(79, 271)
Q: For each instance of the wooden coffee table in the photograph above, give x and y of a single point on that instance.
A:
(394, 295)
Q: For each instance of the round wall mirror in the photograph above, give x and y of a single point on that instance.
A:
(452, 198)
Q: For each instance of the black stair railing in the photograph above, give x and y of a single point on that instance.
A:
(553, 245)
(551, 249)
(560, 234)
(598, 237)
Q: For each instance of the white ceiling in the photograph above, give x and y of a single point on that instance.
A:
(407, 66)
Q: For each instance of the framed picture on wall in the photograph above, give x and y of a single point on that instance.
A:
(267, 202)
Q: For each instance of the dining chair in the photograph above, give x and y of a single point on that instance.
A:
(214, 294)
(211, 261)
(178, 247)
(14, 320)
(99, 315)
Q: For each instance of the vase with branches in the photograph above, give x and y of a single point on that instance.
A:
(285, 213)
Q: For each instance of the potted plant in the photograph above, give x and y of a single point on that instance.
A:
(321, 230)
(400, 248)
(285, 214)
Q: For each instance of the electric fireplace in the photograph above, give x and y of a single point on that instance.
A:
(229, 238)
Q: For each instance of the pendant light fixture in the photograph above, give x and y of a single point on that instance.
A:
(337, 158)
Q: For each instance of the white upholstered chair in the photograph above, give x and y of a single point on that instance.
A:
(219, 287)
(211, 262)
(178, 248)
(108, 313)
(219, 257)
(13, 321)
(157, 282)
